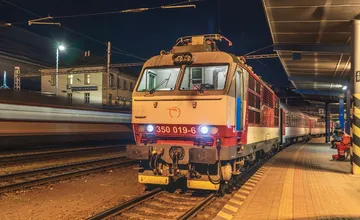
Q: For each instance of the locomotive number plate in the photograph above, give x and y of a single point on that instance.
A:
(165, 129)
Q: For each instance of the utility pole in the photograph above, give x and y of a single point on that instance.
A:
(57, 73)
(108, 71)
(17, 82)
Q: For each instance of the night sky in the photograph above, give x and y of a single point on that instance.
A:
(145, 34)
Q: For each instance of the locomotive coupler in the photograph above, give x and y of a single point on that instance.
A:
(176, 154)
(193, 172)
(154, 158)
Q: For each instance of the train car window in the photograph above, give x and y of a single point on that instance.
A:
(251, 83)
(254, 100)
(268, 97)
(206, 78)
(257, 87)
(251, 100)
(287, 119)
(257, 117)
(276, 113)
(251, 118)
(257, 102)
(158, 79)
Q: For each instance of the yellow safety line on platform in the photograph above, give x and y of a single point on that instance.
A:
(286, 201)
(229, 210)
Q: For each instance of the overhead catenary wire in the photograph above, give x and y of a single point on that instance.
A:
(122, 52)
(132, 10)
(263, 48)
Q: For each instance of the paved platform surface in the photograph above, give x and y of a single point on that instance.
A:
(301, 182)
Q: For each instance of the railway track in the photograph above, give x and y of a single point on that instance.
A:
(27, 158)
(159, 204)
(31, 178)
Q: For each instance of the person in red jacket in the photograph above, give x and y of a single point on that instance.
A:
(342, 146)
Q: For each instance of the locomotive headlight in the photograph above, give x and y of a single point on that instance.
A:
(182, 58)
(150, 128)
(214, 130)
(204, 129)
(141, 128)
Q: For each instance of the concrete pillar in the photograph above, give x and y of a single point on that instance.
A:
(327, 123)
(355, 67)
(341, 112)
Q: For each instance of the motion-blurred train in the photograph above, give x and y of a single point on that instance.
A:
(203, 115)
(26, 124)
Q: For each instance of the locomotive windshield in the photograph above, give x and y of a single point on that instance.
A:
(157, 79)
(204, 77)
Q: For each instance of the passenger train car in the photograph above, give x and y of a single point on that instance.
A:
(296, 126)
(202, 115)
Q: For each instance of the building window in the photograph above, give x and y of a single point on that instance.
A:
(69, 96)
(86, 98)
(70, 79)
(111, 82)
(118, 83)
(87, 79)
(125, 85)
(53, 80)
(110, 99)
(131, 86)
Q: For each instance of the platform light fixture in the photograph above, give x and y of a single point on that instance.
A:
(60, 47)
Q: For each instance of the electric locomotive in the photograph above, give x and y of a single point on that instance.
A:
(200, 114)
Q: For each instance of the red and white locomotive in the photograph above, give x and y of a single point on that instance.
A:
(202, 115)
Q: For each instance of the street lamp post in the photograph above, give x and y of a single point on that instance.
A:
(60, 47)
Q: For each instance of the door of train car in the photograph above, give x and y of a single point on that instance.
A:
(282, 125)
(238, 100)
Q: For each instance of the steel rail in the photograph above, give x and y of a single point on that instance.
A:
(56, 168)
(197, 207)
(53, 155)
(128, 204)
(54, 148)
(64, 176)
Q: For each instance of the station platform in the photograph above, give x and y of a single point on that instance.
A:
(300, 182)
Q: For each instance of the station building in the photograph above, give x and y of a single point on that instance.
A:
(88, 85)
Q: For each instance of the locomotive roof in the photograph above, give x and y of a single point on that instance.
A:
(199, 58)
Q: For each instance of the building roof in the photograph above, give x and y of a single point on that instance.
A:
(312, 40)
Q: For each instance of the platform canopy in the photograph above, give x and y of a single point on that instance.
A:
(312, 39)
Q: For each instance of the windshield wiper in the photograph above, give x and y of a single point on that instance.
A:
(198, 88)
(152, 91)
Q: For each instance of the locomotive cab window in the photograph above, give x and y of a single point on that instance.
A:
(205, 78)
(159, 79)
